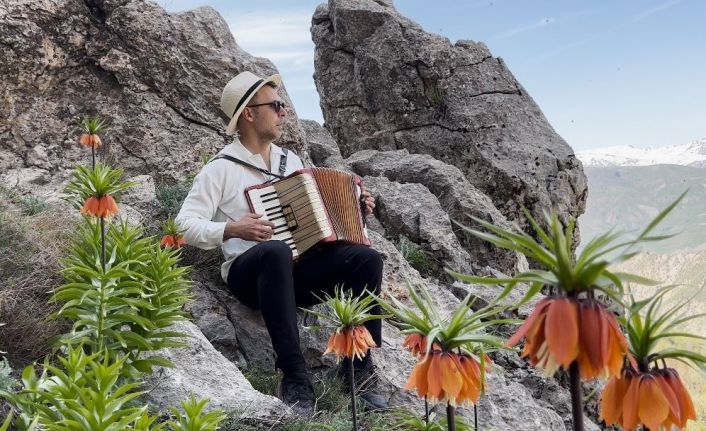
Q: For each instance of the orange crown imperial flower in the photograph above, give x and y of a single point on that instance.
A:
(103, 206)
(350, 342)
(447, 376)
(561, 330)
(90, 140)
(172, 241)
(657, 398)
(416, 343)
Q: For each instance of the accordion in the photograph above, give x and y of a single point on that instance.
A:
(310, 206)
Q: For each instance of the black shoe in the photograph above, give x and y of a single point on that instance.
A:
(297, 391)
(366, 383)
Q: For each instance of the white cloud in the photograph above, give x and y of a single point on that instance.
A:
(543, 22)
(260, 32)
(653, 10)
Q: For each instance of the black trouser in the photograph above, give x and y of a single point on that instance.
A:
(266, 278)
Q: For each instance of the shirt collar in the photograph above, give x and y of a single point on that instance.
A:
(237, 149)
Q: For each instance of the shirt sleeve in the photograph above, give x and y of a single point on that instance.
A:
(199, 208)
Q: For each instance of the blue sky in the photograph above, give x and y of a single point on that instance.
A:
(603, 72)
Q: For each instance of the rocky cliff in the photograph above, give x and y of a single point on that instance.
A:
(437, 131)
(386, 84)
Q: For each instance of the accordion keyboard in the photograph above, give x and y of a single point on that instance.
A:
(294, 206)
(267, 203)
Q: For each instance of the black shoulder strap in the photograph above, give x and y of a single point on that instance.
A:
(248, 165)
(283, 161)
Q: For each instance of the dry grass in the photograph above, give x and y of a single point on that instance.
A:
(30, 247)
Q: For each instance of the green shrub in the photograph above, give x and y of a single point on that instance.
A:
(7, 382)
(170, 197)
(32, 205)
(127, 309)
(414, 255)
(81, 393)
(194, 418)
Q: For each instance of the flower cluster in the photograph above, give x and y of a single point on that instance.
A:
(448, 376)
(348, 313)
(173, 237)
(353, 341)
(95, 189)
(656, 398)
(562, 330)
(451, 360)
(103, 206)
(91, 127)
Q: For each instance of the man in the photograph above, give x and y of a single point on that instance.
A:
(260, 272)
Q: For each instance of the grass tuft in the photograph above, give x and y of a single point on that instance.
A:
(415, 255)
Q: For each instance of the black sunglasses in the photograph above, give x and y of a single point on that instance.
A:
(277, 105)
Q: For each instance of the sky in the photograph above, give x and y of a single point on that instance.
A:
(605, 73)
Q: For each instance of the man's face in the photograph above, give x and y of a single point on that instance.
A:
(267, 122)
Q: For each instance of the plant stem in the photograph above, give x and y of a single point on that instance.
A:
(426, 410)
(103, 244)
(475, 417)
(93, 158)
(101, 309)
(576, 401)
(451, 417)
(351, 382)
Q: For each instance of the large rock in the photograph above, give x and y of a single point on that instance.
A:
(413, 211)
(457, 196)
(156, 77)
(202, 371)
(386, 84)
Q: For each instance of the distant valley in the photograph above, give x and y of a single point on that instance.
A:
(626, 189)
(627, 198)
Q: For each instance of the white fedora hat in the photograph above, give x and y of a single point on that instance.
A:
(238, 92)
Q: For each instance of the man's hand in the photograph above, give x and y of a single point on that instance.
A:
(368, 199)
(250, 228)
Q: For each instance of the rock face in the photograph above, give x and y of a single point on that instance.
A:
(386, 84)
(155, 76)
(456, 195)
(202, 371)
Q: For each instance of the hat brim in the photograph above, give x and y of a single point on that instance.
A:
(233, 124)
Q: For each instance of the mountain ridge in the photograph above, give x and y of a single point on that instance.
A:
(691, 154)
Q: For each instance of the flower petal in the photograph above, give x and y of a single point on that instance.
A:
(561, 331)
(653, 409)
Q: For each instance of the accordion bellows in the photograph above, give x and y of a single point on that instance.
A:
(311, 206)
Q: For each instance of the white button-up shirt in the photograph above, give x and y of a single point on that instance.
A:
(218, 197)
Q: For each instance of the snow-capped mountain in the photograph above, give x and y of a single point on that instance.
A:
(691, 154)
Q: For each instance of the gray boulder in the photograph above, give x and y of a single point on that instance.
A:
(156, 77)
(411, 210)
(202, 371)
(456, 195)
(386, 84)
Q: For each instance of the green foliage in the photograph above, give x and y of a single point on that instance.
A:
(648, 323)
(100, 180)
(170, 197)
(343, 310)
(262, 380)
(559, 269)
(126, 309)
(414, 255)
(32, 205)
(194, 417)
(464, 329)
(406, 420)
(7, 382)
(82, 393)
(93, 125)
